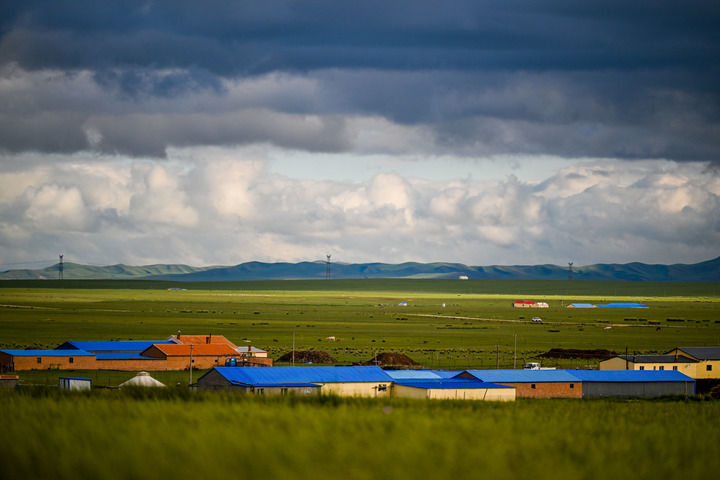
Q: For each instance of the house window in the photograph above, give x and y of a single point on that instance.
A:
(572, 385)
(532, 385)
(283, 391)
(261, 391)
(675, 367)
(642, 367)
(661, 367)
(708, 368)
(382, 388)
(39, 359)
(72, 360)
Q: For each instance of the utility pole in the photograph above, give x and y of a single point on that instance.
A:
(626, 358)
(515, 354)
(61, 267)
(293, 350)
(191, 362)
(497, 357)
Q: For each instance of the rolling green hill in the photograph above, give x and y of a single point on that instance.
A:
(708, 271)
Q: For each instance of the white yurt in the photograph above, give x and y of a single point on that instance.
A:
(142, 379)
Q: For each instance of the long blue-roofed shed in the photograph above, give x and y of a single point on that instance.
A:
(533, 383)
(343, 381)
(634, 383)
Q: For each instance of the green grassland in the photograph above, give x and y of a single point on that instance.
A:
(476, 323)
(178, 433)
(182, 435)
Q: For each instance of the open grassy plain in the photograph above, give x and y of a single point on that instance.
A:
(477, 327)
(176, 434)
(123, 434)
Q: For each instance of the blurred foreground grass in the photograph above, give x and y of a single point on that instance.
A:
(173, 433)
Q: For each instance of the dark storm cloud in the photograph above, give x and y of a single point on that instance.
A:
(595, 78)
(232, 38)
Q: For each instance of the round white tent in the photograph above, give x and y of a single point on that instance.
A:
(142, 379)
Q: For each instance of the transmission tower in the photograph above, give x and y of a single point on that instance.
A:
(61, 267)
(327, 267)
(570, 271)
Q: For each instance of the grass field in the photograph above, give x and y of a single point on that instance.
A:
(123, 434)
(176, 434)
(475, 324)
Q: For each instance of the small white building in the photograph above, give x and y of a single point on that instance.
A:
(74, 383)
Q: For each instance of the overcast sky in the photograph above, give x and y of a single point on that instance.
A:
(218, 132)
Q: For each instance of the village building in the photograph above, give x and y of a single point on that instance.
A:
(708, 360)
(529, 304)
(634, 383)
(678, 363)
(446, 385)
(173, 353)
(533, 383)
(74, 383)
(14, 360)
(342, 381)
(180, 356)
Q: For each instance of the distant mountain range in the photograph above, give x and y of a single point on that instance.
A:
(708, 271)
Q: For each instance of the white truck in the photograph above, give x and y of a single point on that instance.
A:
(536, 366)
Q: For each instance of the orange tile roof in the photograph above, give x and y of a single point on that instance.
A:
(203, 340)
(199, 349)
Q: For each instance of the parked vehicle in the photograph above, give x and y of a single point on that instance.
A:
(536, 366)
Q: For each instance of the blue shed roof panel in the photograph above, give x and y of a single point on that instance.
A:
(623, 305)
(413, 374)
(448, 373)
(278, 385)
(524, 376)
(631, 376)
(124, 356)
(112, 345)
(582, 305)
(48, 353)
(448, 384)
(274, 376)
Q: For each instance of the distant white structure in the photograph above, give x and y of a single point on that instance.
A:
(142, 379)
(74, 383)
(463, 277)
(536, 366)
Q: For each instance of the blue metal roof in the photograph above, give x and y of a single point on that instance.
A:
(124, 356)
(274, 376)
(524, 376)
(413, 374)
(48, 353)
(268, 385)
(581, 305)
(624, 305)
(448, 384)
(631, 376)
(448, 373)
(112, 345)
(76, 378)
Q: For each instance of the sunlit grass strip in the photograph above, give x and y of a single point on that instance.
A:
(182, 435)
